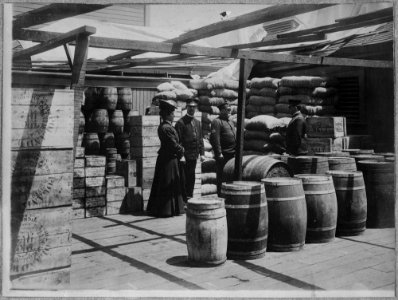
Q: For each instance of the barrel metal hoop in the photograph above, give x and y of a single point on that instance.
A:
(286, 246)
(206, 216)
(351, 222)
(249, 240)
(356, 188)
(319, 192)
(321, 228)
(286, 198)
(240, 206)
(246, 253)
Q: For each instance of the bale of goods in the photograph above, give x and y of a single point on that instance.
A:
(342, 163)
(247, 219)
(99, 120)
(124, 99)
(108, 97)
(264, 123)
(351, 202)
(308, 164)
(264, 82)
(209, 166)
(379, 181)
(209, 178)
(91, 143)
(116, 122)
(255, 168)
(287, 211)
(321, 200)
(206, 230)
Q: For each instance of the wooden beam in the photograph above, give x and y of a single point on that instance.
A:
(67, 53)
(263, 15)
(52, 12)
(56, 42)
(244, 72)
(387, 12)
(80, 60)
(276, 41)
(336, 27)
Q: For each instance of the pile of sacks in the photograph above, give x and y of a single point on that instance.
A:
(262, 96)
(174, 90)
(209, 176)
(318, 95)
(265, 135)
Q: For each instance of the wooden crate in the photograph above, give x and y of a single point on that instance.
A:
(113, 181)
(133, 201)
(78, 203)
(95, 191)
(115, 194)
(95, 181)
(95, 171)
(99, 211)
(91, 202)
(95, 161)
(327, 127)
(79, 182)
(79, 193)
(59, 279)
(80, 151)
(114, 207)
(79, 163)
(144, 152)
(127, 169)
(79, 172)
(147, 131)
(324, 145)
(144, 141)
(78, 213)
(144, 121)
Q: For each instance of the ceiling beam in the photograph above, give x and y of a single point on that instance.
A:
(257, 17)
(387, 12)
(52, 12)
(55, 42)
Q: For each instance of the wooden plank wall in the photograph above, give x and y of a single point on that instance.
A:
(142, 98)
(41, 187)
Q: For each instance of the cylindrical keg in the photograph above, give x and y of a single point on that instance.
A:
(373, 157)
(342, 163)
(116, 122)
(308, 164)
(351, 151)
(91, 143)
(206, 230)
(379, 182)
(287, 212)
(125, 99)
(100, 120)
(108, 96)
(321, 200)
(333, 154)
(247, 219)
(107, 140)
(111, 160)
(351, 202)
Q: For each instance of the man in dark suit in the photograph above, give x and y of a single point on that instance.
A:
(296, 130)
(189, 131)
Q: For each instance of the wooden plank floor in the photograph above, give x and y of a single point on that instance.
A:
(125, 252)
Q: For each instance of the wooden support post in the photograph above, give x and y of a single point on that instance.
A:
(244, 71)
(66, 48)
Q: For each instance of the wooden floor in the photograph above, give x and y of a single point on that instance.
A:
(126, 252)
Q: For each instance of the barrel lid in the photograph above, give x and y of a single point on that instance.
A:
(341, 158)
(276, 181)
(341, 173)
(242, 185)
(211, 202)
(313, 178)
(332, 154)
(309, 158)
(376, 163)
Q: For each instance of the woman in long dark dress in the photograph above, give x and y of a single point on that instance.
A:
(167, 196)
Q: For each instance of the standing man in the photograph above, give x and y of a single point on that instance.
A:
(296, 130)
(223, 140)
(189, 131)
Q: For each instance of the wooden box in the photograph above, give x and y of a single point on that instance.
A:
(95, 181)
(79, 152)
(324, 145)
(79, 163)
(115, 194)
(78, 213)
(79, 182)
(144, 141)
(79, 173)
(95, 191)
(99, 211)
(127, 169)
(95, 202)
(95, 161)
(113, 181)
(143, 152)
(148, 131)
(327, 127)
(79, 193)
(144, 121)
(78, 203)
(114, 207)
(95, 171)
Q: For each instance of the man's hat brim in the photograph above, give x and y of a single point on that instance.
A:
(192, 102)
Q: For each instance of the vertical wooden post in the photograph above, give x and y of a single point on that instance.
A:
(245, 67)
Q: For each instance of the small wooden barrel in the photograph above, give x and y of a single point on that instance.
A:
(287, 211)
(116, 122)
(308, 164)
(206, 230)
(111, 154)
(342, 163)
(91, 143)
(321, 200)
(351, 202)
(82, 122)
(333, 154)
(247, 219)
(108, 96)
(100, 120)
(125, 99)
(123, 145)
(107, 140)
(256, 167)
(111, 167)
(379, 182)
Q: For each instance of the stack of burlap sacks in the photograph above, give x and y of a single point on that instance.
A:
(174, 90)
(262, 96)
(209, 176)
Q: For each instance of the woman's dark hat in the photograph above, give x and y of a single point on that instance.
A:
(192, 102)
(167, 104)
(294, 102)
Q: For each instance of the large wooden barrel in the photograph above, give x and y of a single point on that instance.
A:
(287, 213)
(321, 200)
(116, 122)
(91, 143)
(108, 96)
(125, 99)
(123, 145)
(342, 163)
(379, 183)
(373, 157)
(308, 164)
(107, 140)
(255, 168)
(99, 120)
(206, 230)
(333, 154)
(386, 154)
(247, 219)
(351, 202)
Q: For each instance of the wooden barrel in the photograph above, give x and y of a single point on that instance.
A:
(379, 183)
(342, 163)
(91, 99)
(111, 160)
(275, 156)
(256, 167)
(99, 120)
(124, 99)
(373, 157)
(107, 140)
(123, 145)
(308, 164)
(386, 154)
(333, 154)
(111, 154)
(365, 151)
(116, 122)
(82, 122)
(206, 230)
(247, 219)
(91, 143)
(321, 200)
(108, 96)
(287, 213)
(351, 151)
(209, 165)
(127, 115)
(351, 202)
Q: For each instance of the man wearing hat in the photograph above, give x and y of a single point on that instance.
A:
(189, 131)
(223, 140)
(296, 130)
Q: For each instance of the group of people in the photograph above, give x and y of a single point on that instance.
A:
(180, 147)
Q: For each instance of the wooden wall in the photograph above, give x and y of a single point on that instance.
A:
(142, 98)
